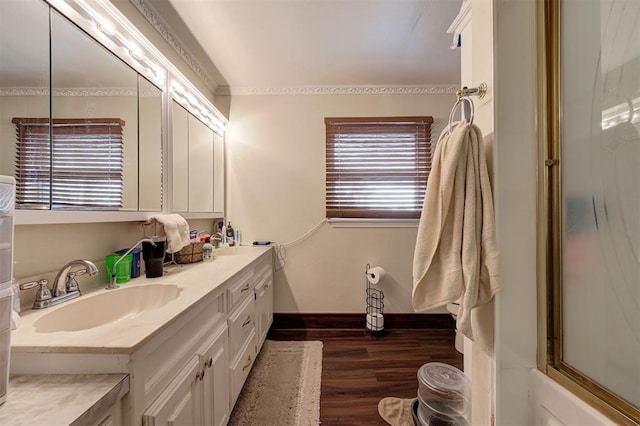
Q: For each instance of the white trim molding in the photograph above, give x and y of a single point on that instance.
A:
(373, 223)
(460, 22)
(153, 17)
(339, 90)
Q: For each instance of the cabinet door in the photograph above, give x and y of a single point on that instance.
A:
(200, 166)
(181, 401)
(215, 395)
(180, 157)
(264, 308)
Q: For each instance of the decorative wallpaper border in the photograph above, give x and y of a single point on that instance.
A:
(43, 91)
(339, 90)
(152, 16)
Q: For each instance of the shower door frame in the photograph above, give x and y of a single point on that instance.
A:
(549, 357)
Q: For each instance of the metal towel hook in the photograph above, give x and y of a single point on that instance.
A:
(461, 101)
(463, 96)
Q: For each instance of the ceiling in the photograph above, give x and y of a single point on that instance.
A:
(267, 44)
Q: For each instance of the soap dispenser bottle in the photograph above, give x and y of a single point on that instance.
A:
(231, 235)
(207, 250)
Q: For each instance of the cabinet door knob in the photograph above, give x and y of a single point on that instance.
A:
(248, 364)
(200, 375)
(209, 363)
(247, 321)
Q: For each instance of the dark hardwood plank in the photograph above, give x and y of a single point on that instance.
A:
(359, 369)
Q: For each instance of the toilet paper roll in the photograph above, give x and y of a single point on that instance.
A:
(375, 274)
(375, 322)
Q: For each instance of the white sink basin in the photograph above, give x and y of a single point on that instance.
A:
(108, 307)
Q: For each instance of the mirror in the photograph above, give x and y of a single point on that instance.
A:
(86, 87)
(24, 81)
(198, 164)
(106, 151)
(149, 146)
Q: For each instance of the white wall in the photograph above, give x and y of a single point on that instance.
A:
(515, 146)
(275, 191)
(500, 31)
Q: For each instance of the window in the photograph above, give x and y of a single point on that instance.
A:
(81, 168)
(377, 167)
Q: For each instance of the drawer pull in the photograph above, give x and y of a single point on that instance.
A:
(245, 288)
(209, 363)
(247, 321)
(248, 364)
(200, 375)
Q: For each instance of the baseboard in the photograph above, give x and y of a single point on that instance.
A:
(357, 321)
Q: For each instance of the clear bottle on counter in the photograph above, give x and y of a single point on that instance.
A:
(207, 250)
(231, 235)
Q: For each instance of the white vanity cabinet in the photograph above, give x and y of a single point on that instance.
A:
(181, 403)
(215, 380)
(199, 394)
(242, 331)
(251, 312)
(264, 303)
(189, 370)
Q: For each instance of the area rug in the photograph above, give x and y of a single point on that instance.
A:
(283, 387)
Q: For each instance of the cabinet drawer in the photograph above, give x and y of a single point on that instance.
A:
(240, 289)
(241, 367)
(241, 324)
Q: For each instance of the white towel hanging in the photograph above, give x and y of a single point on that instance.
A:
(456, 255)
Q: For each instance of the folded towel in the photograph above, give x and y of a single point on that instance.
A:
(456, 255)
(176, 230)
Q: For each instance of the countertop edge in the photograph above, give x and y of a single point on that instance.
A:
(97, 410)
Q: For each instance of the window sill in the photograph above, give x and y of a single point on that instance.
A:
(373, 223)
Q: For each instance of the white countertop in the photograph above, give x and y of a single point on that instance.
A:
(124, 337)
(61, 399)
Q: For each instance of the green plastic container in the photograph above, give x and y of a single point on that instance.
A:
(123, 268)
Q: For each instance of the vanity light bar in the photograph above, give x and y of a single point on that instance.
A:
(105, 22)
(189, 101)
(625, 112)
(107, 29)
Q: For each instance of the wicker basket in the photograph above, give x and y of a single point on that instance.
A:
(190, 254)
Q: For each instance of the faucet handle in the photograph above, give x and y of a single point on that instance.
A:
(43, 292)
(72, 284)
(30, 284)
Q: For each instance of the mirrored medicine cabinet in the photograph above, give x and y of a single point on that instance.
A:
(80, 129)
(198, 164)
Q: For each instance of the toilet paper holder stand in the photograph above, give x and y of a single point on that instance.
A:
(375, 306)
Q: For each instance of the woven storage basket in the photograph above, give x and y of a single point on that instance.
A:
(190, 254)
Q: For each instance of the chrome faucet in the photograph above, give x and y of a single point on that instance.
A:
(65, 287)
(112, 282)
(65, 281)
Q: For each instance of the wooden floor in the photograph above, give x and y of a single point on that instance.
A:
(358, 370)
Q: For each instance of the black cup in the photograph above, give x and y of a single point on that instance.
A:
(154, 256)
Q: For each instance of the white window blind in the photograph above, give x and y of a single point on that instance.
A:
(81, 168)
(377, 167)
